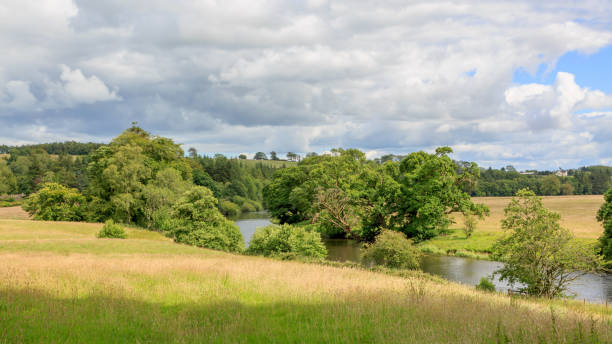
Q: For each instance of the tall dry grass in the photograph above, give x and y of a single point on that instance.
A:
(81, 289)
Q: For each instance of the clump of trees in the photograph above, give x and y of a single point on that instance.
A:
(537, 252)
(346, 195)
(392, 250)
(146, 181)
(286, 241)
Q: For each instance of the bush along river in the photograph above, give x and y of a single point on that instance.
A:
(595, 288)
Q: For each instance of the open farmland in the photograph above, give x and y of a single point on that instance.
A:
(577, 214)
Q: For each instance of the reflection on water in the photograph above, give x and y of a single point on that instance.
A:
(592, 287)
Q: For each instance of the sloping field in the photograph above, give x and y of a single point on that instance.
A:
(577, 214)
(58, 283)
(270, 163)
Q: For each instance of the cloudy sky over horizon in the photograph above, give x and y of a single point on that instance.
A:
(501, 82)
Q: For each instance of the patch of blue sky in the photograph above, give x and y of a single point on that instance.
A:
(593, 71)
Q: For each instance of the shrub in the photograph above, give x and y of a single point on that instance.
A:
(485, 285)
(391, 249)
(112, 230)
(229, 208)
(55, 202)
(287, 240)
(196, 220)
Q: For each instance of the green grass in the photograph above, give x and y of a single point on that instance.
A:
(58, 283)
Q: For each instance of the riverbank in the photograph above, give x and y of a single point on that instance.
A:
(58, 283)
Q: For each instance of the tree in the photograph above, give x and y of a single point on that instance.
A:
(551, 186)
(469, 224)
(292, 156)
(55, 202)
(273, 155)
(604, 215)
(260, 156)
(242, 157)
(431, 189)
(8, 182)
(537, 252)
(193, 153)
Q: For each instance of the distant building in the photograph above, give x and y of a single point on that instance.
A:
(561, 173)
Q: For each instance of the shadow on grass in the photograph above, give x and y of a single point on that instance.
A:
(33, 316)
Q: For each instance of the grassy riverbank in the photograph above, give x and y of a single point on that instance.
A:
(577, 214)
(58, 283)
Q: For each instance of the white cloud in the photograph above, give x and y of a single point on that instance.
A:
(385, 76)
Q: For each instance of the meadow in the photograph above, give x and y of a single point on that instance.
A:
(59, 283)
(577, 214)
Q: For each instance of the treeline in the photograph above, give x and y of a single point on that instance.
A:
(237, 184)
(57, 148)
(591, 180)
(23, 171)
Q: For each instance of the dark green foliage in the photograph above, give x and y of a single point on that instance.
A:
(55, 202)
(58, 148)
(604, 215)
(507, 181)
(486, 285)
(196, 220)
(391, 249)
(276, 240)
(8, 182)
(537, 251)
(431, 188)
(344, 192)
(112, 230)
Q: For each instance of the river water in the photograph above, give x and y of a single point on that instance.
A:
(591, 287)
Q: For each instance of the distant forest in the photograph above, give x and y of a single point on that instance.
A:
(238, 184)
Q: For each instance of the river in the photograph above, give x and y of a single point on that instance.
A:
(591, 287)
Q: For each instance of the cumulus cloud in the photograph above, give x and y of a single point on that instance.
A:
(240, 76)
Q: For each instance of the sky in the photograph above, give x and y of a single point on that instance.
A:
(520, 83)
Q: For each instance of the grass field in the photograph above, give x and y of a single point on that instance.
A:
(577, 214)
(58, 283)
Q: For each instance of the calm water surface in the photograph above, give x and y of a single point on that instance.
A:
(593, 288)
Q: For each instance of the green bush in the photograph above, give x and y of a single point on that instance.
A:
(55, 202)
(286, 240)
(391, 249)
(485, 285)
(112, 230)
(229, 208)
(195, 220)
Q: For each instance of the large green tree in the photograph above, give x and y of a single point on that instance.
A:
(135, 176)
(431, 189)
(537, 252)
(8, 182)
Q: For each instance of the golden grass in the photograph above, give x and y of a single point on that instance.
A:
(577, 213)
(59, 284)
(13, 213)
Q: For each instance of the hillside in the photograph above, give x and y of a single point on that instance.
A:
(58, 283)
(577, 214)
